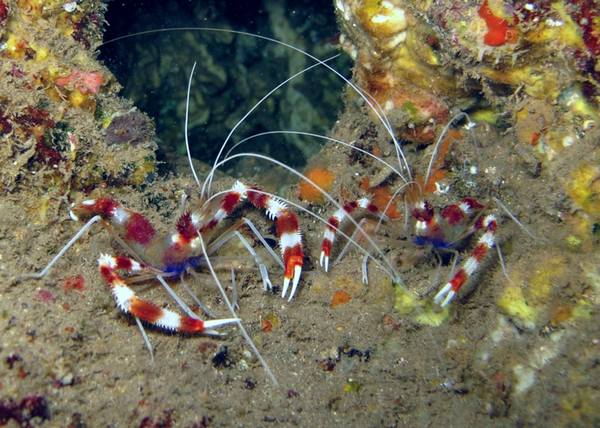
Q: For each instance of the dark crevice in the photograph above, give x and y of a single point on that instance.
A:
(232, 74)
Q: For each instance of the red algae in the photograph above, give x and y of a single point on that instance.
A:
(499, 30)
(75, 282)
(266, 325)
(22, 412)
(166, 421)
(45, 296)
(3, 11)
(84, 82)
(48, 155)
(5, 125)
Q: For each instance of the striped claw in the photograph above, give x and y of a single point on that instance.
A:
(470, 266)
(290, 241)
(445, 295)
(129, 303)
(324, 261)
(209, 326)
(328, 238)
(288, 232)
(450, 290)
(334, 222)
(293, 271)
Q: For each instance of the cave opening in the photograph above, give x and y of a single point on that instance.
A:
(233, 73)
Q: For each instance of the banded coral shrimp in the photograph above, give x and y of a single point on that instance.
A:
(441, 230)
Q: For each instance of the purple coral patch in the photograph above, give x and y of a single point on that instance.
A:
(131, 128)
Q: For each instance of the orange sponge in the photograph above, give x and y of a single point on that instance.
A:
(321, 177)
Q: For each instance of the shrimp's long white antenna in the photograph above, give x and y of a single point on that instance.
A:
(185, 131)
(233, 313)
(323, 137)
(517, 221)
(187, 105)
(391, 201)
(358, 90)
(146, 338)
(239, 122)
(63, 250)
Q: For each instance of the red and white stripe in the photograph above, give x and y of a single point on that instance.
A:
(286, 223)
(290, 241)
(130, 304)
(288, 232)
(458, 213)
(133, 227)
(229, 202)
(426, 223)
(334, 223)
(185, 239)
(479, 253)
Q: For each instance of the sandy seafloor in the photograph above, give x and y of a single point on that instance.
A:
(358, 364)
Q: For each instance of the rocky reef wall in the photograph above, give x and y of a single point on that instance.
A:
(62, 125)
(527, 75)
